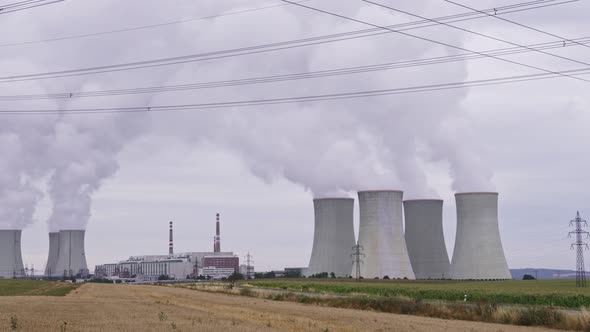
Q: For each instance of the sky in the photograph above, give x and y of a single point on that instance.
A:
(124, 176)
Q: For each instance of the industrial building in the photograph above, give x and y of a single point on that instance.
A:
(478, 253)
(176, 266)
(333, 237)
(214, 265)
(11, 260)
(425, 238)
(381, 235)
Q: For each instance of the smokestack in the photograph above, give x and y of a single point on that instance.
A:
(53, 254)
(171, 241)
(72, 257)
(217, 239)
(425, 238)
(478, 253)
(11, 259)
(333, 236)
(381, 235)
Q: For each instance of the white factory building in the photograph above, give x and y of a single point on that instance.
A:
(215, 265)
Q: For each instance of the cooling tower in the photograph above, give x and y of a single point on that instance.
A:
(381, 235)
(11, 259)
(425, 238)
(72, 258)
(53, 255)
(478, 253)
(333, 237)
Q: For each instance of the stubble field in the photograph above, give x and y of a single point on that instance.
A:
(106, 307)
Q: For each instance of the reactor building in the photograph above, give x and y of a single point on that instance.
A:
(381, 235)
(425, 238)
(11, 260)
(478, 253)
(333, 237)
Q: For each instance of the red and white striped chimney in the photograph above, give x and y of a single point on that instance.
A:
(217, 238)
(171, 242)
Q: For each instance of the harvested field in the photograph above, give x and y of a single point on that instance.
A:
(106, 307)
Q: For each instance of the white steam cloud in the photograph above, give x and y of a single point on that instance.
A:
(331, 148)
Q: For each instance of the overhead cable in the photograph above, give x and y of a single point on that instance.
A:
(287, 77)
(301, 99)
(435, 41)
(249, 50)
(517, 23)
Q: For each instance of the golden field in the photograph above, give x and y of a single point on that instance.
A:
(107, 307)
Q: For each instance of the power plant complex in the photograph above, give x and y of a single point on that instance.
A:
(385, 250)
(211, 265)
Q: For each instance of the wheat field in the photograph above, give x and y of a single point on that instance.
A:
(106, 307)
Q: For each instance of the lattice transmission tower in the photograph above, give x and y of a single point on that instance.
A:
(580, 246)
(357, 259)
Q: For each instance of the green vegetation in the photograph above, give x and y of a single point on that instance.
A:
(11, 287)
(560, 293)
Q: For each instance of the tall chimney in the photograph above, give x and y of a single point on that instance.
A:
(217, 239)
(171, 242)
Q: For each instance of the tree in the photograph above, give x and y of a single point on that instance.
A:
(528, 277)
(386, 277)
(235, 276)
(332, 275)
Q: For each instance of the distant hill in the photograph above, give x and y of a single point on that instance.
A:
(544, 273)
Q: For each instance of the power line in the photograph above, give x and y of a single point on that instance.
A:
(434, 41)
(283, 78)
(249, 50)
(516, 23)
(24, 5)
(477, 33)
(300, 99)
(142, 27)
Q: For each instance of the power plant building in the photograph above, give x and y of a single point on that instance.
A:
(381, 235)
(177, 266)
(11, 260)
(425, 238)
(478, 253)
(333, 238)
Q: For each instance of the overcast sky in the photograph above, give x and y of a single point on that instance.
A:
(124, 176)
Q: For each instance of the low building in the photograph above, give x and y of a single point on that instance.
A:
(222, 262)
(177, 266)
(217, 273)
(247, 271)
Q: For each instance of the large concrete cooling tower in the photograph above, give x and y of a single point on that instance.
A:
(425, 238)
(381, 235)
(72, 258)
(333, 237)
(53, 255)
(478, 253)
(11, 259)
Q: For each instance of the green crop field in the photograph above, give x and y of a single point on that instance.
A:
(9, 287)
(561, 293)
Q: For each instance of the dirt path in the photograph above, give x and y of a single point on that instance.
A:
(104, 307)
